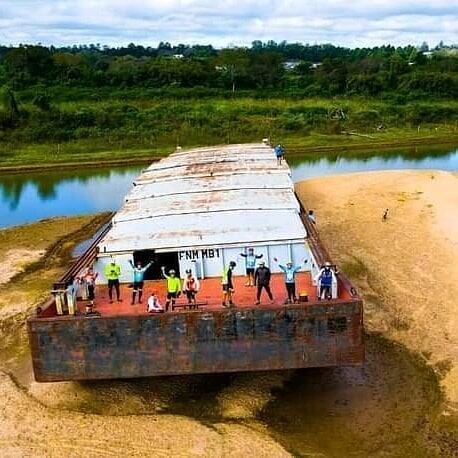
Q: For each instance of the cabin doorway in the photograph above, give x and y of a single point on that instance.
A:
(168, 260)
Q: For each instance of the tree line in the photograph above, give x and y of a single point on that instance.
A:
(269, 68)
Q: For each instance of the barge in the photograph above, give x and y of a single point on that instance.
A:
(199, 210)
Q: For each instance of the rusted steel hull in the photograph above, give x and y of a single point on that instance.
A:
(300, 336)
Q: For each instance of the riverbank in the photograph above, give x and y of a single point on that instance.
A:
(406, 266)
(51, 157)
(392, 406)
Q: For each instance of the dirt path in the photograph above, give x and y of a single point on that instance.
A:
(406, 267)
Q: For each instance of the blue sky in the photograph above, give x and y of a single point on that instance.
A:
(228, 22)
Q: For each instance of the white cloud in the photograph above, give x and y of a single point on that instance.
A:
(117, 22)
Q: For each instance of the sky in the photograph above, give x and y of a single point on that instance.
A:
(352, 23)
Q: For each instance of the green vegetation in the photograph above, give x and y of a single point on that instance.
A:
(88, 104)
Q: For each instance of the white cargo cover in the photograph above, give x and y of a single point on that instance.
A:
(206, 202)
(254, 181)
(219, 229)
(226, 196)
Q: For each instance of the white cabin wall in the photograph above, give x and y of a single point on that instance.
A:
(281, 252)
(300, 252)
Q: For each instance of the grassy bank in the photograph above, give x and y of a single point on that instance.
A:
(116, 131)
(83, 154)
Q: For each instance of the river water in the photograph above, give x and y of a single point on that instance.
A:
(28, 197)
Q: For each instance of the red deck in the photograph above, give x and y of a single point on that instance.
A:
(208, 298)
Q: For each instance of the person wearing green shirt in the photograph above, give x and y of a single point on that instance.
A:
(112, 273)
(173, 287)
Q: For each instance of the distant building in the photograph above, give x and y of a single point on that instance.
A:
(315, 65)
(291, 64)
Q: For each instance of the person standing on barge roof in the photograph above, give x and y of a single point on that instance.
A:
(262, 280)
(290, 279)
(279, 153)
(139, 275)
(173, 288)
(112, 273)
(227, 284)
(250, 265)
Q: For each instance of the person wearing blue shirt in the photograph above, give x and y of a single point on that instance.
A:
(290, 279)
(325, 278)
(250, 265)
(139, 275)
(279, 153)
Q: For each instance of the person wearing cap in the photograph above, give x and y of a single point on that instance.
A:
(250, 265)
(262, 280)
(173, 287)
(112, 273)
(139, 275)
(290, 279)
(154, 305)
(227, 284)
(325, 278)
(190, 288)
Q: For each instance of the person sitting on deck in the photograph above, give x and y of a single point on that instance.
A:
(227, 284)
(139, 275)
(279, 153)
(290, 279)
(262, 280)
(325, 279)
(250, 265)
(311, 217)
(190, 288)
(154, 305)
(173, 288)
(112, 273)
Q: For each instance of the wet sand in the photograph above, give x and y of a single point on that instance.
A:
(393, 406)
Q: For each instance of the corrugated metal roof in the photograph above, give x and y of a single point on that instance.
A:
(217, 201)
(209, 184)
(211, 169)
(204, 230)
(216, 196)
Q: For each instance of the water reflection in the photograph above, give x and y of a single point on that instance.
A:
(29, 197)
(431, 157)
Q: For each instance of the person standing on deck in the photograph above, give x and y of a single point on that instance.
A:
(290, 279)
(139, 275)
(190, 288)
(250, 265)
(325, 279)
(88, 278)
(311, 216)
(279, 153)
(173, 287)
(227, 284)
(262, 280)
(112, 273)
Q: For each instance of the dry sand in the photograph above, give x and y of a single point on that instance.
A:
(15, 261)
(407, 267)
